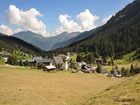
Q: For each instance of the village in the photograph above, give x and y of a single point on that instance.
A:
(63, 62)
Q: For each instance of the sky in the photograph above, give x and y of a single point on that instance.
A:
(52, 17)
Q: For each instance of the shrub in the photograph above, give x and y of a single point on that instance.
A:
(89, 58)
(124, 72)
(39, 66)
(134, 70)
(99, 68)
(131, 69)
(12, 61)
(26, 63)
(73, 65)
(112, 61)
(109, 63)
(104, 59)
(20, 62)
(79, 58)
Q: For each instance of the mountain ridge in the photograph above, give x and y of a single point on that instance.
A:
(45, 43)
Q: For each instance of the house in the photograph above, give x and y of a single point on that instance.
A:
(59, 63)
(48, 64)
(5, 55)
(37, 58)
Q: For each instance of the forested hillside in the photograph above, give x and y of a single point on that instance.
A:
(12, 43)
(120, 35)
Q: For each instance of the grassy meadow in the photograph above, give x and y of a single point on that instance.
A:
(126, 93)
(25, 86)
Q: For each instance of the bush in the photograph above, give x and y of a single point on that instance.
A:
(104, 59)
(12, 61)
(26, 63)
(79, 58)
(73, 65)
(109, 63)
(20, 62)
(124, 72)
(99, 68)
(134, 70)
(89, 58)
(131, 69)
(39, 66)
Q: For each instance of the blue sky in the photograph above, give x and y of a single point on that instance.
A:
(52, 9)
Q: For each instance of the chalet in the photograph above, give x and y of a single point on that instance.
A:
(58, 61)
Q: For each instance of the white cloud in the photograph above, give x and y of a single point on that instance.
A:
(6, 30)
(18, 30)
(67, 24)
(27, 19)
(86, 22)
(106, 19)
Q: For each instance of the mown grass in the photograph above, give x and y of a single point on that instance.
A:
(25, 86)
(1, 61)
(126, 93)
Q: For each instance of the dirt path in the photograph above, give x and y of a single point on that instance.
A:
(23, 87)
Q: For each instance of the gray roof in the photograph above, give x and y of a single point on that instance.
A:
(45, 60)
(58, 59)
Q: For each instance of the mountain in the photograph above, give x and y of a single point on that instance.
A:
(13, 43)
(75, 39)
(43, 42)
(120, 35)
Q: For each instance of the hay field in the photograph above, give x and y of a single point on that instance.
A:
(23, 86)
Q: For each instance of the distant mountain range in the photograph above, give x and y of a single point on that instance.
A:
(120, 35)
(45, 43)
(13, 43)
(75, 39)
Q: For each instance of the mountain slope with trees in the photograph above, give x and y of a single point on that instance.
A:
(120, 35)
(11, 43)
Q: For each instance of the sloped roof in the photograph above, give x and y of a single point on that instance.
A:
(58, 59)
(45, 60)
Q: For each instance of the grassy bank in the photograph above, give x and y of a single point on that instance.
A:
(126, 93)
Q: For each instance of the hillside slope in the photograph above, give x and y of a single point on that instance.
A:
(126, 93)
(120, 35)
(12, 43)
